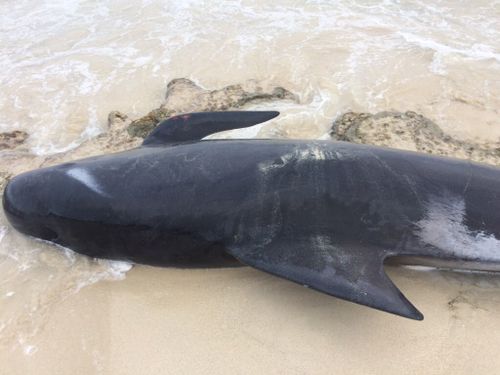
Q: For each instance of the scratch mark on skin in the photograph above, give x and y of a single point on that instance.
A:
(268, 220)
(469, 178)
(84, 177)
(312, 153)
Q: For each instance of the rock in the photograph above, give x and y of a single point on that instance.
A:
(409, 131)
(116, 118)
(183, 95)
(4, 178)
(10, 140)
(115, 139)
(143, 126)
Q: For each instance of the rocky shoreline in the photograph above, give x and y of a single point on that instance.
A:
(410, 131)
(401, 130)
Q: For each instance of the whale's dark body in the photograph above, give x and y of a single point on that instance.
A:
(324, 214)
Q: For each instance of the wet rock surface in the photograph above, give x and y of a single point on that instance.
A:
(183, 95)
(410, 131)
(13, 139)
(4, 179)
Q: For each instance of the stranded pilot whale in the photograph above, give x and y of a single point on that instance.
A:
(320, 213)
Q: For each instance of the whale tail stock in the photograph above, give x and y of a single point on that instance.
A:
(191, 127)
(351, 273)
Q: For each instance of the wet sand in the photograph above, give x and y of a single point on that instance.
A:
(243, 321)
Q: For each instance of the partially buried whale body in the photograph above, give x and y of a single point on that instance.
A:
(320, 213)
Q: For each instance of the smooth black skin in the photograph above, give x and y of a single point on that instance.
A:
(324, 214)
(197, 125)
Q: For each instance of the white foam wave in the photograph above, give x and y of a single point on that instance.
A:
(477, 51)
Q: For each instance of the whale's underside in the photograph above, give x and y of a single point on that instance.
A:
(323, 214)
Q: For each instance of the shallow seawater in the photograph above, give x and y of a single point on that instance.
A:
(66, 64)
(37, 275)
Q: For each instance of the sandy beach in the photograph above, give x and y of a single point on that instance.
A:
(81, 79)
(242, 321)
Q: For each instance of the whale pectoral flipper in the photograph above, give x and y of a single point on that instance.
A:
(353, 274)
(195, 126)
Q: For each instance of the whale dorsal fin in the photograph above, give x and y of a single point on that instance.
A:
(353, 273)
(195, 126)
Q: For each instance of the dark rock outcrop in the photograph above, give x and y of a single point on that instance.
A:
(12, 139)
(409, 131)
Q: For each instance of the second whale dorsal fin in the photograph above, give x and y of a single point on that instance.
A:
(195, 126)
